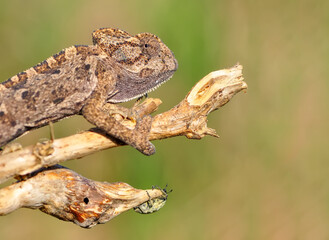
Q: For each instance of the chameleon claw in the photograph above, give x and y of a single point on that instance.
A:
(149, 150)
(143, 128)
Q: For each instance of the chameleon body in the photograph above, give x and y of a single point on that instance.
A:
(83, 80)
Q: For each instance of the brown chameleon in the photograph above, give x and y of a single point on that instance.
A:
(88, 79)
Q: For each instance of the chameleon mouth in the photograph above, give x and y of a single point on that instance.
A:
(129, 88)
(116, 99)
(158, 84)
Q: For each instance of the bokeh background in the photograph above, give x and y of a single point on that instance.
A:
(266, 177)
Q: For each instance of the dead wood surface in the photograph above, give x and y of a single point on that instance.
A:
(64, 194)
(188, 118)
(49, 188)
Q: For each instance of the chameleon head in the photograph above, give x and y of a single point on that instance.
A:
(143, 61)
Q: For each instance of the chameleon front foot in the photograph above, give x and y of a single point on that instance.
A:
(137, 138)
(148, 149)
(142, 131)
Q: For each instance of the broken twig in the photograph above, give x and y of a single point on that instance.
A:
(64, 194)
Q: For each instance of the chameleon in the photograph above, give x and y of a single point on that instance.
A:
(88, 80)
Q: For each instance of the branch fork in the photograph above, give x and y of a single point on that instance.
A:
(60, 192)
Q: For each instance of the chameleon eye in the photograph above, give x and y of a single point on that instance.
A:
(151, 46)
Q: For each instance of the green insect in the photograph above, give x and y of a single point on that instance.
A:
(153, 205)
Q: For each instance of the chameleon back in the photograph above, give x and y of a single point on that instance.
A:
(52, 90)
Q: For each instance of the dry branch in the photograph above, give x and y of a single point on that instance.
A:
(188, 118)
(68, 196)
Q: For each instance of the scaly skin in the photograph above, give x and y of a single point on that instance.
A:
(82, 79)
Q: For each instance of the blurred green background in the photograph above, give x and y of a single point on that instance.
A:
(266, 177)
